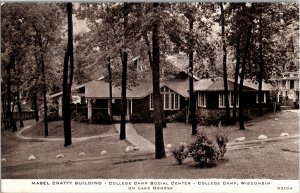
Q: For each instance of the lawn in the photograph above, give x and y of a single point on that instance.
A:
(267, 161)
(17, 151)
(78, 129)
(175, 133)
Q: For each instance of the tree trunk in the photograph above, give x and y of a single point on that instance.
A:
(4, 110)
(9, 95)
(20, 110)
(159, 138)
(236, 75)
(124, 58)
(67, 79)
(241, 95)
(191, 80)
(123, 95)
(163, 117)
(225, 65)
(110, 89)
(35, 106)
(261, 69)
(42, 63)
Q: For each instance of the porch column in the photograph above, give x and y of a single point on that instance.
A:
(60, 106)
(128, 107)
(90, 109)
(108, 107)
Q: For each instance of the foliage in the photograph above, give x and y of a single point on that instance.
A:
(179, 117)
(101, 118)
(53, 116)
(181, 153)
(80, 117)
(221, 139)
(204, 151)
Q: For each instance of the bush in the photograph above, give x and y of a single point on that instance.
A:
(221, 139)
(80, 118)
(181, 153)
(101, 118)
(136, 118)
(204, 151)
(53, 116)
(179, 117)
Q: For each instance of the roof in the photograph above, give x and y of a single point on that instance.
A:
(72, 89)
(218, 85)
(100, 89)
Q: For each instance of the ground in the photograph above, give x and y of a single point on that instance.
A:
(277, 159)
(179, 132)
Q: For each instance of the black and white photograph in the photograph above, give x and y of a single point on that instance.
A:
(150, 96)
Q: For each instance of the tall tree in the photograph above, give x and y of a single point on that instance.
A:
(124, 59)
(245, 53)
(159, 140)
(224, 62)
(68, 78)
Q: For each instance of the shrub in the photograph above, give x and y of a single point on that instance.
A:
(136, 118)
(101, 118)
(53, 116)
(221, 139)
(80, 118)
(181, 153)
(204, 151)
(179, 117)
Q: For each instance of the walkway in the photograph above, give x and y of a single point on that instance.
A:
(21, 136)
(136, 139)
(293, 110)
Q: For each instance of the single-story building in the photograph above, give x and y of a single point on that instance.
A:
(211, 99)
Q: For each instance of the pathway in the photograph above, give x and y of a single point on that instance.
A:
(21, 136)
(136, 139)
(293, 110)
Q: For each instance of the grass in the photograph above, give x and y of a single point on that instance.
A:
(274, 160)
(78, 129)
(268, 161)
(17, 151)
(180, 132)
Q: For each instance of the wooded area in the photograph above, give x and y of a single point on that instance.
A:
(231, 40)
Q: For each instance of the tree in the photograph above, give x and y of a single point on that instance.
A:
(245, 53)
(124, 59)
(159, 140)
(224, 63)
(68, 78)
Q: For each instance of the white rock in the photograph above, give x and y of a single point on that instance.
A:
(103, 152)
(183, 144)
(135, 148)
(276, 119)
(284, 134)
(81, 154)
(32, 157)
(3, 160)
(240, 139)
(262, 137)
(60, 156)
(169, 146)
(169, 154)
(129, 149)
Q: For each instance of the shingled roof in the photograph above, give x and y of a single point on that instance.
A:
(218, 85)
(100, 89)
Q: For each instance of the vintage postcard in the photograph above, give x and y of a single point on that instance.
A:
(150, 97)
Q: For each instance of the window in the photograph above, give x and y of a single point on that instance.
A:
(296, 84)
(170, 99)
(291, 84)
(201, 99)
(221, 100)
(287, 85)
(151, 102)
(264, 98)
(231, 100)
